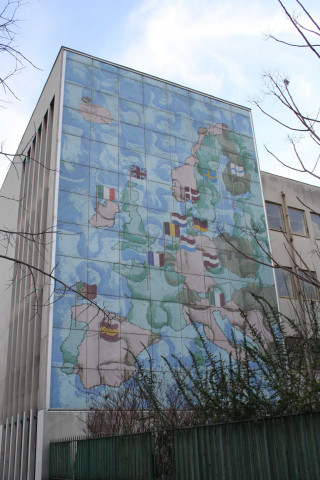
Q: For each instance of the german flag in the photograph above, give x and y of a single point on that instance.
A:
(109, 331)
(171, 229)
(201, 225)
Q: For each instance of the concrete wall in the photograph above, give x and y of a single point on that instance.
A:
(24, 322)
(55, 426)
(9, 201)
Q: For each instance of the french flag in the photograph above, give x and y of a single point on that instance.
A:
(156, 259)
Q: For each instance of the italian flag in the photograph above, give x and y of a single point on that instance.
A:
(217, 298)
(106, 193)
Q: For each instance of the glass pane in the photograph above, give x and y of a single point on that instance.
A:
(274, 214)
(316, 224)
(309, 290)
(284, 283)
(297, 221)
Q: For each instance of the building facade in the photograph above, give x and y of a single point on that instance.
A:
(294, 227)
(130, 191)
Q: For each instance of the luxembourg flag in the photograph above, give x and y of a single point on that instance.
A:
(188, 244)
(106, 193)
(210, 261)
(155, 259)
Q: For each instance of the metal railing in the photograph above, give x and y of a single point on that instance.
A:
(279, 448)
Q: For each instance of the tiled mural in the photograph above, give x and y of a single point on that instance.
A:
(155, 181)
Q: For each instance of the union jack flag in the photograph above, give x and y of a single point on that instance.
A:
(138, 172)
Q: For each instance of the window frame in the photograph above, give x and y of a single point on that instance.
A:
(296, 350)
(306, 234)
(282, 222)
(315, 228)
(308, 285)
(284, 271)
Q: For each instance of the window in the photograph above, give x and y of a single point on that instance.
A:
(315, 218)
(309, 290)
(275, 216)
(295, 352)
(284, 283)
(298, 221)
(298, 348)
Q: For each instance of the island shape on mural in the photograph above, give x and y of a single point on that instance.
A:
(94, 113)
(104, 216)
(107, 354)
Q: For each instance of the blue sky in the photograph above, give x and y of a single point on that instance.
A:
(212, 46)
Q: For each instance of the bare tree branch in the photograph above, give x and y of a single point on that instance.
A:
(296, 25)
(17, 60)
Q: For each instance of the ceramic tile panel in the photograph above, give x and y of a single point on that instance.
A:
(159, 210)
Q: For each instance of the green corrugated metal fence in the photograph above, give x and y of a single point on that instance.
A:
(122, 457)
(280, 448)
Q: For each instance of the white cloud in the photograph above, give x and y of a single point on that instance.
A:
(213, 46)
(195, 42)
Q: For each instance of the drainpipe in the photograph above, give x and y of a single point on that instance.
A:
(294, 262)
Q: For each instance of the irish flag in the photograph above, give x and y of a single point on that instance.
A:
(106, 193)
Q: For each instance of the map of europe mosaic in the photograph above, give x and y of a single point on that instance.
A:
(155, 184)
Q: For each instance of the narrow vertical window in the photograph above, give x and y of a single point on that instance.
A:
(298, 221)
(275, 216)
(315, 218)
(310, 291)
(284, 283)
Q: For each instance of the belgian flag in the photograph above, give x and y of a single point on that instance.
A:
(171, 229)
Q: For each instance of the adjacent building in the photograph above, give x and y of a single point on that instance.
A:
(294, 227)
(129, 192)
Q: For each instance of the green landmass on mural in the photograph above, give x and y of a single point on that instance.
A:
(70, 346)
(246, 297)
(236, 185)
(232, 259)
